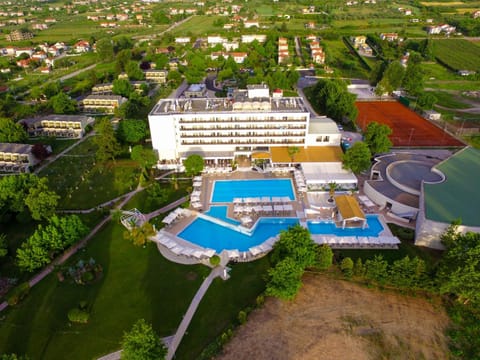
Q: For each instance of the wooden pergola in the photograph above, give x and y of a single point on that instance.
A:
(350, 211)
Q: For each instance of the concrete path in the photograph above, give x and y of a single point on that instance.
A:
(218, 271)
(166, 208)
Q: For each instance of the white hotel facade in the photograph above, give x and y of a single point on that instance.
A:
(251, 123)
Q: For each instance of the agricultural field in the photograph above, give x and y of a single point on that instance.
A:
(457, 54)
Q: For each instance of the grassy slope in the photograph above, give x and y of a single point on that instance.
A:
(137, 283)
(220, 306)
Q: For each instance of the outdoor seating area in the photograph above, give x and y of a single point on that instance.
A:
(262, 206)
(300, 181)
(367, 204)
(179, 248)
(195, 196)
(217, 170)
(357, 242)
(175, 215)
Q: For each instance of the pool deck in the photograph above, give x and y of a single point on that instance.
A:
(301, 206)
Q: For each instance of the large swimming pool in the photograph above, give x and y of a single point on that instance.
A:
(225, 191)
(211, 235)
(214, 236)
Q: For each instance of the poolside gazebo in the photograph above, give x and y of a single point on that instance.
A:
(350, 211)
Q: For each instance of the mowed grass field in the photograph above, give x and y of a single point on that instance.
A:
(457, 54)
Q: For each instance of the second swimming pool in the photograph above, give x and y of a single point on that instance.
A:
(226, 190)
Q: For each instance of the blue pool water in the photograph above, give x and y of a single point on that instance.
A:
(374, 228)
(220, 212)
(227, 190)
(211, 235)
(214, 236)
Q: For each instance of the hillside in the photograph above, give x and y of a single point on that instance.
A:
(332, 319)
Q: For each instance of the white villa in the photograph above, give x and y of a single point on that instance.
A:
(253, 125)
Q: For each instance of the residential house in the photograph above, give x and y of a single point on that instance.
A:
(358, 40)
(251, 23)
(389, 36)
(261, 38)
(182, 40)
(17, 35)
(82, 46)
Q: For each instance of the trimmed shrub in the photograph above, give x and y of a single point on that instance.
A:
(242, 317)
(78, 316)
(347, 267)
(215, 260)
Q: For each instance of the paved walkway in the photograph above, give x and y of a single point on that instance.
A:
(218, 271)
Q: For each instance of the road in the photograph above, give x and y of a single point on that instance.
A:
(171, 27)
(75, 73)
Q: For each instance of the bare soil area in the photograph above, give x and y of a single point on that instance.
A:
(334, 319)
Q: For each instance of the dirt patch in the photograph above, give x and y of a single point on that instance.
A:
(333, 319)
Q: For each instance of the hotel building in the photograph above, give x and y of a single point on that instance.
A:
(250, 123)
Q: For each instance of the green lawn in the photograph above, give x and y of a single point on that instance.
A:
(342, 60)
(197, 26)
(142, 202)
(137, 283)
(58, 145)
(449, 100)
(89, 183)
(221, 304)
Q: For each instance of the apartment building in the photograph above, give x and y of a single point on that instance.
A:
(101, 103)
(16, 158)
(60, 126)
(156, 76)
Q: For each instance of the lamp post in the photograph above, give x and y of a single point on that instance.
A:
(411, 134)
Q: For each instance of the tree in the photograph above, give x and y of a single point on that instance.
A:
(376, 269)
(145, 157)
(132, 131)
(357, 158)
(193, 165)
(394, 73)
(333, 98)
(408, 273)
(347, 267)
(46, 241)
(105, 49)
(324, 257)
(376, 137)
(62, 104)
(359, 269)
(414, 79)
(106, 141)
(426, 101)
(40, 151)
(139, 235)
(295, 243)
(133, 71)
(141, 343)
(285, 279)
(459, 271)
(292, 151)
(157, 194)
(122, 87)
(41, 201)
(3, 245)
(11, 132)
